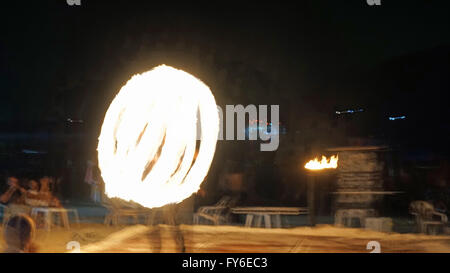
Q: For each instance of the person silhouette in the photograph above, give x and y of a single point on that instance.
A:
(19, 232)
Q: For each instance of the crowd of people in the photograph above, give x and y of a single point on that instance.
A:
(35, 194)
(19, 227)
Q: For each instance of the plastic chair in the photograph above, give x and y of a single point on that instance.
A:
(428, 220)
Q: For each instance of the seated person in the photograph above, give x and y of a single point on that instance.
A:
(33, 197)
(19, 233)
(41, 196)
(14, 193)
(46, 194)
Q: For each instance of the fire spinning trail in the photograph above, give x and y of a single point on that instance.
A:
(148, 138)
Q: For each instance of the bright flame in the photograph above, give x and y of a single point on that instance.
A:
(148, 138)
(322, 164)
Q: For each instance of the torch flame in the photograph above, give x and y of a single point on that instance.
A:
(147, 143)
(322, 164)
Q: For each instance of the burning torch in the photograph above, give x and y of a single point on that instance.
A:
(314, 168)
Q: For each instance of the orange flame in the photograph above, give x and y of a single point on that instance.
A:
(322, 164)
(147, 142)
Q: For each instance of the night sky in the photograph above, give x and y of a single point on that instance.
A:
(311, 57)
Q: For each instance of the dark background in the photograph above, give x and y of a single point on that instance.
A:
(313, 58)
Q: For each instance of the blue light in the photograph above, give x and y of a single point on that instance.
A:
(396, 118)
(350, 111)
(26, 151)
(266, 130)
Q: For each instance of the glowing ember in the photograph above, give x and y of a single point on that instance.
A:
(148, 138)
(322, 164)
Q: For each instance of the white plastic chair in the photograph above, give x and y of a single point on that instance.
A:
(217, 214)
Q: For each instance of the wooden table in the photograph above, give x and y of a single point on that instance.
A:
(267, 212)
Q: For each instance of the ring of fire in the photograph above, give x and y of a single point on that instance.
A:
(148, 138)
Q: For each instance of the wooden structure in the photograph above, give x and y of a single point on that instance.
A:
(360, 184)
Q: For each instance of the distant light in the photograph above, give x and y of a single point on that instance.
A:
(350, 111)
(74, 120)
(25, 151)
(395, 118)
(265, 129)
